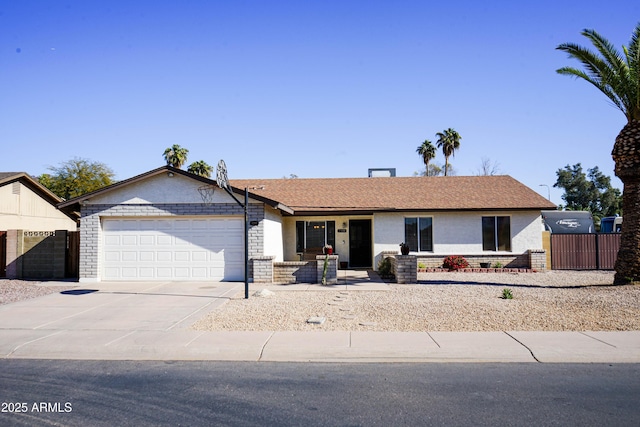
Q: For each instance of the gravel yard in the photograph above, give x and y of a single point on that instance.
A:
(549, 301)
(17, 290)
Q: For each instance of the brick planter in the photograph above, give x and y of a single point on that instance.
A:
(332, 269)
(405, 268)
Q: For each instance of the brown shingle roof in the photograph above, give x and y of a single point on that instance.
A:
(397, 193)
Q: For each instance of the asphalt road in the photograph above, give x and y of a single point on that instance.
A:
(108, 393)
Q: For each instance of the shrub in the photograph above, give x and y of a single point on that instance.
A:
(506, 294)
(498, 265)
(421, 265)
(455, 262)
(384, 268)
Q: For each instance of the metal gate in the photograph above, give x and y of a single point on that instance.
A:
(584, 251)
(72, 255)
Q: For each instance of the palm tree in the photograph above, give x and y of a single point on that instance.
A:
(176, 156)
(618, 78)
(428, 152)
(449, 141)
(200, 168)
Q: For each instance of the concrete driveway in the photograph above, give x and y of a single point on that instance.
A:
(120, 306)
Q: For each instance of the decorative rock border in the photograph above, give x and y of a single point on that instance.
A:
(478, 270)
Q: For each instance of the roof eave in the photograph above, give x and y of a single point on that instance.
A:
(301, 211)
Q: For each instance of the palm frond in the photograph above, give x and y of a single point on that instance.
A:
(633, 59)
(574, 72)
(615, 74)
(608, 51)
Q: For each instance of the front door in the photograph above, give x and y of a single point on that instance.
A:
(360, 243)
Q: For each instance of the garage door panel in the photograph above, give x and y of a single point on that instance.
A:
(112, 240)
(199, 256)
(147, 240)
(146, 273)
(178, 241)
(173, 249)
(200, 224)
(128, 256)
(164, 256)
(129, 272)
(112, 272)
(123, 225)
(182, 256)
(147, 256)
(129, 240)
(112, 256)
(149, 225)
(164, 273)
(164, 240)
(202, 240)
(182, 272)
(199, 273)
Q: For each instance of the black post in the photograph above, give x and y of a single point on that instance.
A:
(246, 243)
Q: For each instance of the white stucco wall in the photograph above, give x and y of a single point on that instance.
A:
(273, 234)
(22, 209)
(458, 232)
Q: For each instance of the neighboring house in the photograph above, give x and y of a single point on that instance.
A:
(25, 204)
(155, 226)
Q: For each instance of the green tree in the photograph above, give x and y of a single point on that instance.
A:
(428, 152)
(591, 191)
(617, 76)
(76, 177)
(435, 169)
(200, 168)
(449, 141)
(176, 156)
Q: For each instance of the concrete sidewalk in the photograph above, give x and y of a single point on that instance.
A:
(150, 321)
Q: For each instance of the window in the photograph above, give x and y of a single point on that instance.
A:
(418, 234)
(496, 233)
(311, 236)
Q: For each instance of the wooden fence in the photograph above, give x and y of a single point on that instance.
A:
(3, 253)
(584, 251)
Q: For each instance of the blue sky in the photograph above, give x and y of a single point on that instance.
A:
(311, 88)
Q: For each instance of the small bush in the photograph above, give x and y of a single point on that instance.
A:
(506, 294)
(497, 265)
(384, 268)
(421, 265)
(455, 262)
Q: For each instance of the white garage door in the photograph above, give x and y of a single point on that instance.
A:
(173, 249)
